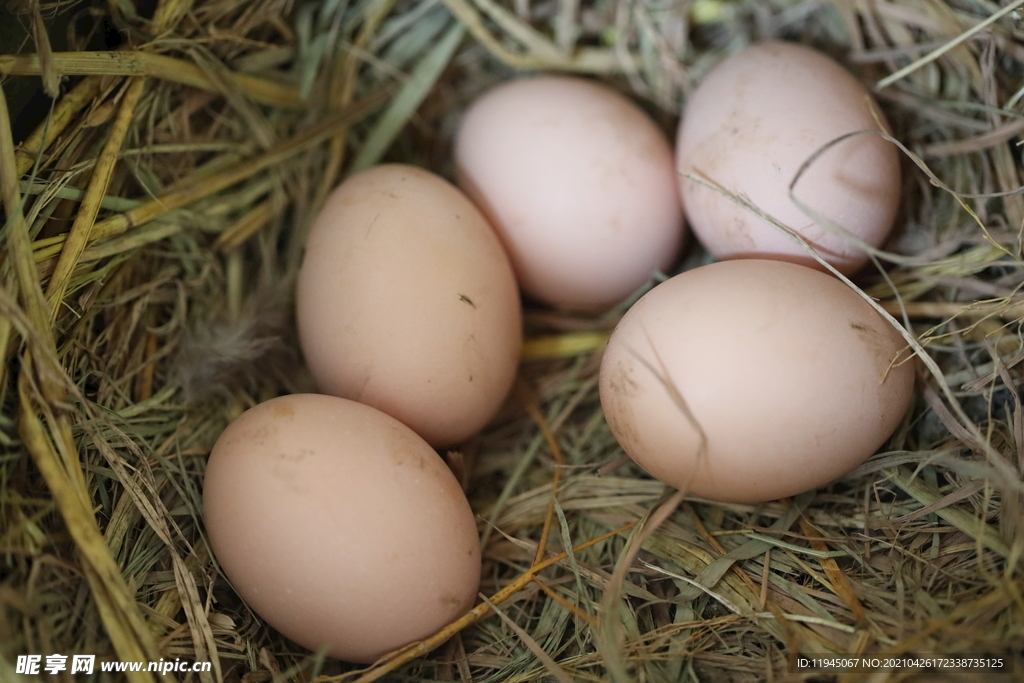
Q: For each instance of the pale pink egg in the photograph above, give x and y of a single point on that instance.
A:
(580, 184)
(751, 124)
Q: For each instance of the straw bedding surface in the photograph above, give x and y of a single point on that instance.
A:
(155, 219)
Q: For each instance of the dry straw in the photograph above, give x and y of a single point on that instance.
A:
(154, 221)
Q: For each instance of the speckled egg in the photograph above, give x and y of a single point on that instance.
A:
(406, 301)
(750, 380)
(339, 526)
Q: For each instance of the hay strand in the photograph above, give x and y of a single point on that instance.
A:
(209, 185)
(147, 64)
(78, 236)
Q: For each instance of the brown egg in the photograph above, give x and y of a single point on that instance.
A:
(339, 526)
(406, 301)
(751, 380)
(750, 125)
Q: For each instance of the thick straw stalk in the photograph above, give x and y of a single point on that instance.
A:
(125, 63)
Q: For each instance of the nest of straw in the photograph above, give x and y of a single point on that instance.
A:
(152, 226)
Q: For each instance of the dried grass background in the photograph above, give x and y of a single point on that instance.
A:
(154, 222)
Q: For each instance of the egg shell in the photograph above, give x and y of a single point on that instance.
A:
(785, 369)
(339, 526)
(750, 125)
(580, 184)
(406, 301)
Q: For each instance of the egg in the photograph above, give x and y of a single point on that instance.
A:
(406, 301)
(339, 526)
(751, 380)
(750, 125)
(580, 184)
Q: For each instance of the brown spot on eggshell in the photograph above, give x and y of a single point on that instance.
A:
(882, 343)
(283, 410)
(296, 456)
(621, 388)
(451, 601)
